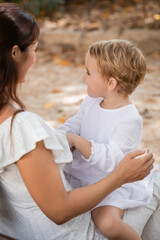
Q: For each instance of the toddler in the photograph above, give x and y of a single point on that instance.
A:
(107, 127)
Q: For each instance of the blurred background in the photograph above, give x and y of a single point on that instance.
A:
(55, 89)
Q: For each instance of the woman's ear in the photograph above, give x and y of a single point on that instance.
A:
(16, 53)
(112, 84)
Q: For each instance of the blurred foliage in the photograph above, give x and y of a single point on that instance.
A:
(40, 8)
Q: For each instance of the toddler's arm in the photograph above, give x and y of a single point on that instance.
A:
(81, 144)
(106, 156)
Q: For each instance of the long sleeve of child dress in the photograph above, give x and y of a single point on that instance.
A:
(125, 138)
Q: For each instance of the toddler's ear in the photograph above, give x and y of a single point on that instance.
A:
(112, 84)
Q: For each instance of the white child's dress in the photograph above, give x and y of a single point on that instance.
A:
(113, 133)
(20, 217)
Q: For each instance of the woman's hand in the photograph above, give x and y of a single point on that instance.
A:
(135, 167)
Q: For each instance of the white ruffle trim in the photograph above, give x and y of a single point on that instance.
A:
(28, 129)
(93, 150)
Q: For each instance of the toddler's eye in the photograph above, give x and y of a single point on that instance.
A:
(88, 73)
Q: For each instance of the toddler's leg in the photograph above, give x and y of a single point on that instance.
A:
(108, 220)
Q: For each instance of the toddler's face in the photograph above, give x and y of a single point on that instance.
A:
(96, 84)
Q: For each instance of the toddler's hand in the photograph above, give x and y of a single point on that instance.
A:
(70, 138)
(72, 149)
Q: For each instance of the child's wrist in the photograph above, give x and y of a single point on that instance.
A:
(74, 139)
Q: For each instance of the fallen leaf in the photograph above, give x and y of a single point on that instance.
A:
(151, 100)
(63, 22)
(156, 17)
(105, 15)
(93, 26)
(48, 105)
(56, 91)
(65, 63)
(62, 120)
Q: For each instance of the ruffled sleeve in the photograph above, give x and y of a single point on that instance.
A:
(28, 129)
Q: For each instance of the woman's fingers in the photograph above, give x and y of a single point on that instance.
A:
(150, 161)
(144, 155)
(137, 165)
(136, 153)
(148, 157)
(147, 165)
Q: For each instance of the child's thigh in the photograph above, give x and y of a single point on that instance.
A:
(105, 217)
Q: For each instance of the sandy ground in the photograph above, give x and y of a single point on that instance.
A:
(55, 92)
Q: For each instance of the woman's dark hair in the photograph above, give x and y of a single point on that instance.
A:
(17, 27)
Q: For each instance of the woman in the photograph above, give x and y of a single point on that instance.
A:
(35, 198)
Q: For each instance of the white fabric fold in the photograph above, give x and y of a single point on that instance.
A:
(28, 129)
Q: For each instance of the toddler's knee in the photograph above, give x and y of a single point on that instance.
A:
(110, 228)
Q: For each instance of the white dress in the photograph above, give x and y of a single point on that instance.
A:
(20, 217)
(113, 133)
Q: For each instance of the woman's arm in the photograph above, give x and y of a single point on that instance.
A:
(42, 178)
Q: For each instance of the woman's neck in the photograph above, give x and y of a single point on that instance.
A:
(7, 111)
(115, 101)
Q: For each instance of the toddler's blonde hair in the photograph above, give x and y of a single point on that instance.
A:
(121, 60)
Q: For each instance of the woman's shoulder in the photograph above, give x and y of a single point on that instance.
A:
(21, 124)
(28, 120)
(28, 126)
(28, 129)
(27, 116)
